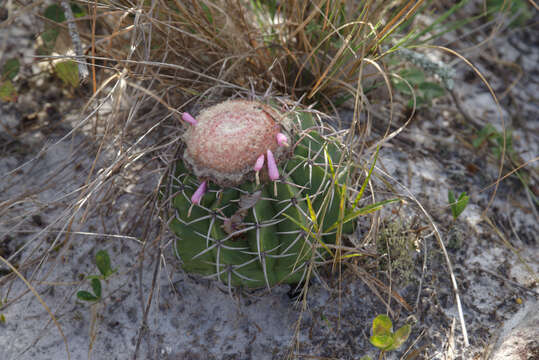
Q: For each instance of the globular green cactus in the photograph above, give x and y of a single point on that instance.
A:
(250, 225)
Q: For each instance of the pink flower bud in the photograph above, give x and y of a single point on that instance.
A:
(189, 118)
(272, 166)
(259, 163)
(197, 196)
(282, 140)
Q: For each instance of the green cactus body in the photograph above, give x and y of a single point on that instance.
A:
(258, 235)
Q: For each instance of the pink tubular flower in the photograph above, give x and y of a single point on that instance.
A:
(259, 163)
(189, 118)
(272, 166)
(258, 166)
(197, 196)
(282, 140)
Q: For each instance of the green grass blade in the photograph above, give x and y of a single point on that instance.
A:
(309, 233)
(331, 168)
(363, 211)
(312, 214)
(364, 185)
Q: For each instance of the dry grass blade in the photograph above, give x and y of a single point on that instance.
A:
(374, 281)
(33, 290)
(398, 19)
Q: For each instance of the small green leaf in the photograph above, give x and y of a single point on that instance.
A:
(68, 72)
(382, 342)
(55, 13)
(103, 264)
(78, 11)
(11, 69)
(102, 261)
(2, 319)
(484, 134)
(431, 90)
(414, 76)
(86, 296)
(451, 198)
(457, 206)
(381, 325)
(420, 101)
(7, 91)
(49, 37)
(403, 87)
(461, 204)
(366, 357)
(497, 151)
(96, 287)
(400, 336)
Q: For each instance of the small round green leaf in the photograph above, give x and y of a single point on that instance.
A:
(68, 71)
(7, 91)
(414, 76)
(11, 69)
(431, 90)
(96, 287)
(403, 87)
(381, 325)
(382, 342)
(400, 336)
(102, 261)
(86, 296)
(78, 11)
(49, 37)
(55, 13)
(457, 206)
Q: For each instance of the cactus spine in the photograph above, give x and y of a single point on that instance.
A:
(257, 195)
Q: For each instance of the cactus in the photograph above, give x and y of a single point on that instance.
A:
(257, 195)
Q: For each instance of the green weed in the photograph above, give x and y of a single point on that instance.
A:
(102, 262)
(66, 70)
(457, 205)
(383, 336)
(10, 69)
(2, 316)
(411, 81)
